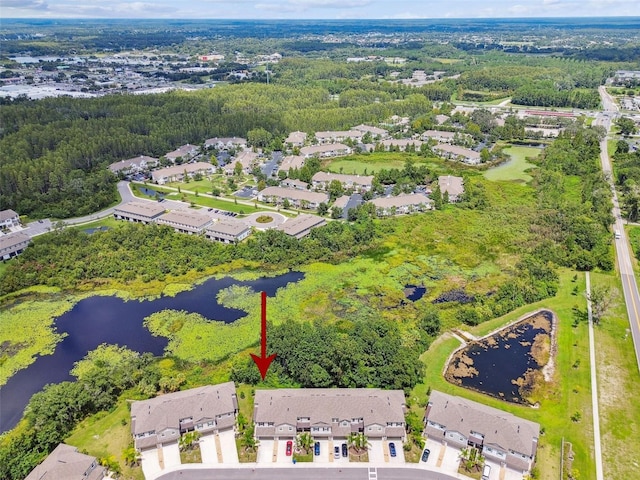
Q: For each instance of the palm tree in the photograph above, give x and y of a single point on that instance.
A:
(248, 441)
(358, 441)
(131, 456)
(304, 441)
(189, 440)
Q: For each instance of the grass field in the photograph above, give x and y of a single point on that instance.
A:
(515, 170)
(373, 162)
(618, 381)
(568, 393)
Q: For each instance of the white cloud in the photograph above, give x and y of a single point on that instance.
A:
(25, 4)
(330, 3)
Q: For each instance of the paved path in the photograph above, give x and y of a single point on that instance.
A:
(594, 387)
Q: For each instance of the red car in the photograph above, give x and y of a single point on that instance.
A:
(289, 448)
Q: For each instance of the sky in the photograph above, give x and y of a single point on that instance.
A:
(315, 9)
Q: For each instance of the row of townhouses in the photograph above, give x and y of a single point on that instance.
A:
(325, 413)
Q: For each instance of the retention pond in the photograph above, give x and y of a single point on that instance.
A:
(507, 364)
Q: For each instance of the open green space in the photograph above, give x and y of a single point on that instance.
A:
(617, 372)
(514, 170)
(369, 163)
(568, 392)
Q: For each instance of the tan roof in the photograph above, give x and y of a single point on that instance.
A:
(438, 134)
(456, 150)
(296, 226)
(339, 134)
(295, 194)
(122, 164)
(66, 463)
(189, 219)
(371, 130)
(7, 215)
(184, 150)
(296, 137)
(365, 180)
(291, 161)
(12, 239)
(450, 184)
(499, 428)
(401, 200)
(225, 141)
(342, 201)
(179, 169)
(323, 405)
(228, 227)
(331, 147)
(144, 209)
(166, 411)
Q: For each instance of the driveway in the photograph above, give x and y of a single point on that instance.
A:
(171, 454)
(228, 447)
(282, 451)
(265, 451)
(208, 449)
(150, 464)
(324, 453)
(399, 458)
(376, 452)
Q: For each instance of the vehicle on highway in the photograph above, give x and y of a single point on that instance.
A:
(344, 450)
(289, 448)
(316, 449)
(425, 455)
(617, 234)
(336, 452)
(392, 449)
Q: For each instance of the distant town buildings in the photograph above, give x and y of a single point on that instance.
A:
(177, 173)
(134, 165)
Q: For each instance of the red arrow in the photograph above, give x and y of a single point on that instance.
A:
(263, 361)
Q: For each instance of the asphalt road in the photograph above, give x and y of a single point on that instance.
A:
(623, 250)
(306, 473)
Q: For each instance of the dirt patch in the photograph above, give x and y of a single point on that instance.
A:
(541, 349)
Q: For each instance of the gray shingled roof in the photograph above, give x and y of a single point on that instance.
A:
(166, 411)
(499, 428)
(65, 462)
(145, 209)
(322, 405)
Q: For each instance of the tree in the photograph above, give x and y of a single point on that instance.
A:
(626, 125)
(430, 321)
(304, 441)
(336, 212)
(323, 208)
(189, 440)
(602, 299)
(131, 456)
(248, 440)
(335, 189)
(358, 441)
(485, 155)
(237, 169)
(259, 137)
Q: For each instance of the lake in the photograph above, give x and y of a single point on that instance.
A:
(506, 364)
(108, 319)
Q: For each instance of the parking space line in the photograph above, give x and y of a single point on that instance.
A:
(274, 457)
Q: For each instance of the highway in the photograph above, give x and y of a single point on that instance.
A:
(623, 249)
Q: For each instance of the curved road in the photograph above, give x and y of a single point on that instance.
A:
(623, 250)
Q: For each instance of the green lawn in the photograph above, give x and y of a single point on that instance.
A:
(373, 162)
(107, 434)
(569, 392)
(515, 169)
(618, 380)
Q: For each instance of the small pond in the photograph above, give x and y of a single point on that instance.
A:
(508, 363)
(99, 319)
(414, 292)
(150, 192)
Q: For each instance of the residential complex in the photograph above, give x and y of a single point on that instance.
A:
(66, 463)
(13, 244)
(301, 225)
(331, 413)
(8, 219)
(297, 198)
(501, 436)
(165, 418)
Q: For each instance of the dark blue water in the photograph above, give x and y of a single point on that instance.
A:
(150, 192)
(414, 292)
(97, 320)
(502, 359)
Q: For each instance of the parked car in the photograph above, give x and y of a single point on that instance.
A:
(425, 455)
(344, 450)
(392, 449)
(316, 448)
(336, 452)
(486, 472)
(289, 448)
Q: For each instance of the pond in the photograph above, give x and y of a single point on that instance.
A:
(508, 363)
(111, 320)
(150, 192)
(414, 292)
